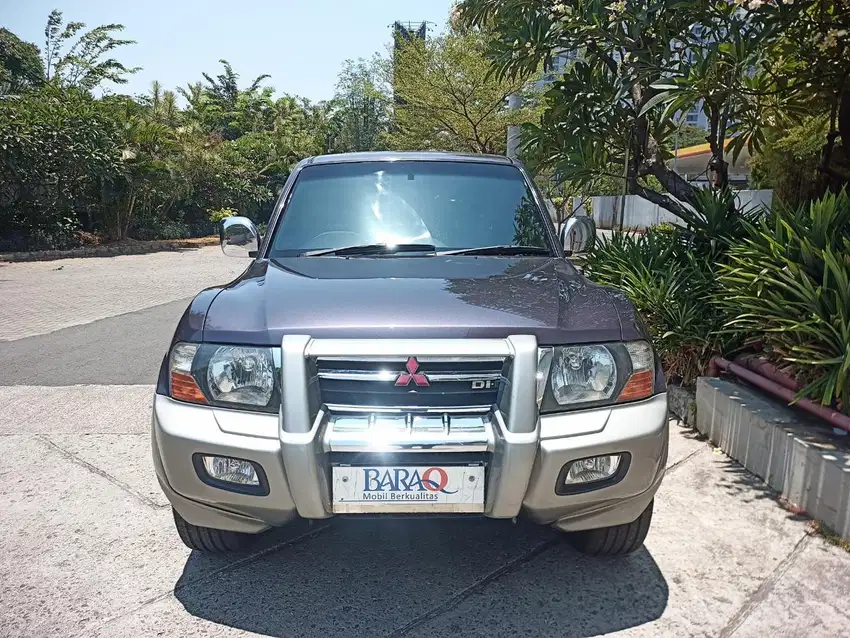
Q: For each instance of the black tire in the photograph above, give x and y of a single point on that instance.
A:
(616, 540)
(208, 540)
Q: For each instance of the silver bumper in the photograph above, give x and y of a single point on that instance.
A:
(525, 451)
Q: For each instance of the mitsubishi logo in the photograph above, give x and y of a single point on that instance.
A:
(412, 374)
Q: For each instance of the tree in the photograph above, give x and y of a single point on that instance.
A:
(688, 135)
(168, 108)
(447, 99)
(224, 89)
(360, 108)
(639, 65)
(20, 64)
(232, 111)
(58, 148)
(789, 161)
(81, 64)
(810, 56)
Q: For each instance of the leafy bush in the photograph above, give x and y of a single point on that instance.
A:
(788, 162)
(217, 215)
(665, 227)
(777, 281)
(671, 275)
(788, 287)
(153, 227)
(57, 150)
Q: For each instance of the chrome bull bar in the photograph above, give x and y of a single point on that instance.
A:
(308, 432)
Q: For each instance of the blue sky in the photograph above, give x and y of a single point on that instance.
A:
(302, 44)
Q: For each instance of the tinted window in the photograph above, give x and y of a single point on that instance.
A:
(453, 205)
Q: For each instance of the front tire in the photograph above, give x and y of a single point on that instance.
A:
(209, 540)
(616, 540)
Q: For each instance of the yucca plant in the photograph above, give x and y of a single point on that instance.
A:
(787, 288)
(671, 289)
(715, 222)
(613, 257)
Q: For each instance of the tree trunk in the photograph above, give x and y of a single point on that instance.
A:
(667, 203)
(672, 182)
(844, 117)
(646, 160)
(839, 126)
(718, 148)
(124, 225)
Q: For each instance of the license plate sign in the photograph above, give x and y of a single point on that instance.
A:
(455, 489)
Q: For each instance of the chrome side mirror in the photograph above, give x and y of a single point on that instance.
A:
(239, 237)
(578, 234)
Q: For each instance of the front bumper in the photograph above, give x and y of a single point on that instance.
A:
(522, 472)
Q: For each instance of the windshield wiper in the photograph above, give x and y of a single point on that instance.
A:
(506, 249)
(372, 249)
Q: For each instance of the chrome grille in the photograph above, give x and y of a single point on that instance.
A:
(410, 384)
(386, 431)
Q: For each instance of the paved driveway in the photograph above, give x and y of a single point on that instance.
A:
(88, 546)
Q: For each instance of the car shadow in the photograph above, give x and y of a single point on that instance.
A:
(422, 577)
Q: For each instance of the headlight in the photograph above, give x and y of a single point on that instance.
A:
(583, 373)
(231, 376)
(241, 375)
(589, 375)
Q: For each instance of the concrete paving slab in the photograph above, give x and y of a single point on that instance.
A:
(718, 534)
(357, 578)
(684, 442)
(167, 617)
(561, 593)
(712, 543)
(76, 409)
(124, 457)
(811, 598)
(76, 548)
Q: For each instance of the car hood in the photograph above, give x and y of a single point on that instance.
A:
(416, 297)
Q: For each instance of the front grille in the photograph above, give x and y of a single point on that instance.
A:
(410, 383)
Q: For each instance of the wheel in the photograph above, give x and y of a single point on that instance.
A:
(208, 540)
(616, 540)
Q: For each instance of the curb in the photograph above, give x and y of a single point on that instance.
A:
(682, 404)
(794, 453)
(108, 250)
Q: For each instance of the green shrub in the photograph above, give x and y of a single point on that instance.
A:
(787, 286)
(665, 227)
(612, 258)
(217, 215)
(153, 227)
(788, 162)
(58, 148)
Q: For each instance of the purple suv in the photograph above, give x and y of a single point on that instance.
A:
(410, 337)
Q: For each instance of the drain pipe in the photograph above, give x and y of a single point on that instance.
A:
(834, 418)
(767, 370)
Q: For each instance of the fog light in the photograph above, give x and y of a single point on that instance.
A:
(230, 470)
(595, 468)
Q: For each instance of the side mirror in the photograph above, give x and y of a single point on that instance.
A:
(239, 237)
(578, 234)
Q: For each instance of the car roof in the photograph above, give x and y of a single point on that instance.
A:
(415, 156)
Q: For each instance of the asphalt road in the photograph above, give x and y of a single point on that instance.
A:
(89, 549)
(122, 350)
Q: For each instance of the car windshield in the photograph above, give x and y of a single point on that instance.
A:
(442, 205)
